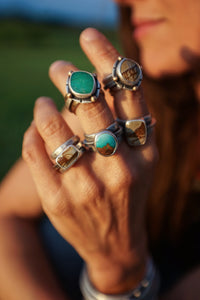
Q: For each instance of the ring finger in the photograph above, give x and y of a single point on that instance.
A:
(50, 123)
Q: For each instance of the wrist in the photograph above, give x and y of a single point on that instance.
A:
(147, 288)
(120, 272)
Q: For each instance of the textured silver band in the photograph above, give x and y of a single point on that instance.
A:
(146, 290)
(126, 74)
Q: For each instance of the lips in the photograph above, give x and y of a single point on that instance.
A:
(143, 26)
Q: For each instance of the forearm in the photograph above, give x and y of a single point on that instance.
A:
(25, 272)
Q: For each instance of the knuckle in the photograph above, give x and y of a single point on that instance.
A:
(51, 126)
(90, 193)
(107, 52)
(152, 156)
(58, 207)
(28, 153)
(94, 111)
(122, 176)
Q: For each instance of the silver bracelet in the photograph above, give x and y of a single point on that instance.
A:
(146, 290)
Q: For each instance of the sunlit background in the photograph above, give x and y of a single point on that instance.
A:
(34, 33)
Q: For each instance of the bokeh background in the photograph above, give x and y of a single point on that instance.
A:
(34, 33)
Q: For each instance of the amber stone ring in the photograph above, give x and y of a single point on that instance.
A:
(106, 141)
(81, 87)
(68, 153)
(126, 74)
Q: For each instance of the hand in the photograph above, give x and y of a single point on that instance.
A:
(98, 204)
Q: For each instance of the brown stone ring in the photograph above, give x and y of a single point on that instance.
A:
(67, 154)
(126, 74)
(136, 131)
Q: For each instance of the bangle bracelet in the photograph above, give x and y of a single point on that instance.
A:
(146, 290)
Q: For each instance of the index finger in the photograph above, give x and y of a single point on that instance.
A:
(93, 117)
(103, 55)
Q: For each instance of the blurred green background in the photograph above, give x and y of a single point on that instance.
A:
(26, 51)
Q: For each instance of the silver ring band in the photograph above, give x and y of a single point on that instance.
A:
(67, 154)
(126, 74)
(146, 290)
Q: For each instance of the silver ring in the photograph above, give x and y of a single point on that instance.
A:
(67, 154)
(81, 87)
(72, 141)
(106, 141)
(136, 131)
(126, 74)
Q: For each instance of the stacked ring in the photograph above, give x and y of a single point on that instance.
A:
(136, 131)
(106, 141)
(126, 74)
(68, 153)
(81, 87)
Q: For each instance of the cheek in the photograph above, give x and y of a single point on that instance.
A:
(163, 54)
(161, 61)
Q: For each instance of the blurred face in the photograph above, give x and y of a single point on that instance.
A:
(167, 33)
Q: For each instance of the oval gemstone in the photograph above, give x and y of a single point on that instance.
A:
(106, 144)
(129, 70)
(82, 83)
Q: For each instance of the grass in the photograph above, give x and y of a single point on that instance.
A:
(26, 51)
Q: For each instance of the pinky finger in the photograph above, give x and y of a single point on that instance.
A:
(46, 178)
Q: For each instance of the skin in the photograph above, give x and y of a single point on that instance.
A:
(76, 207)
(171, 40)
(111, 269)
(97, 194)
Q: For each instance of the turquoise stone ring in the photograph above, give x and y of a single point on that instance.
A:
(82, 84)
(104, 142)
(81, 87)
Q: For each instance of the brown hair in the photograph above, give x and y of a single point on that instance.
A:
(173, 103)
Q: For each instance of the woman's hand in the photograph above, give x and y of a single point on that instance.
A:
(98, 204)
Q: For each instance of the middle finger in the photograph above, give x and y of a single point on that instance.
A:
(94, 116)
(102, 54)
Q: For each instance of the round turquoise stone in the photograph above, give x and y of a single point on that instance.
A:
(82, 83)
(106, 144)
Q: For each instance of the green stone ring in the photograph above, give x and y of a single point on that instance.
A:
(81, 87)
(126, 74)
(104, 142)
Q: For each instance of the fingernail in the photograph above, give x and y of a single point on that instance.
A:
(90, 34)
